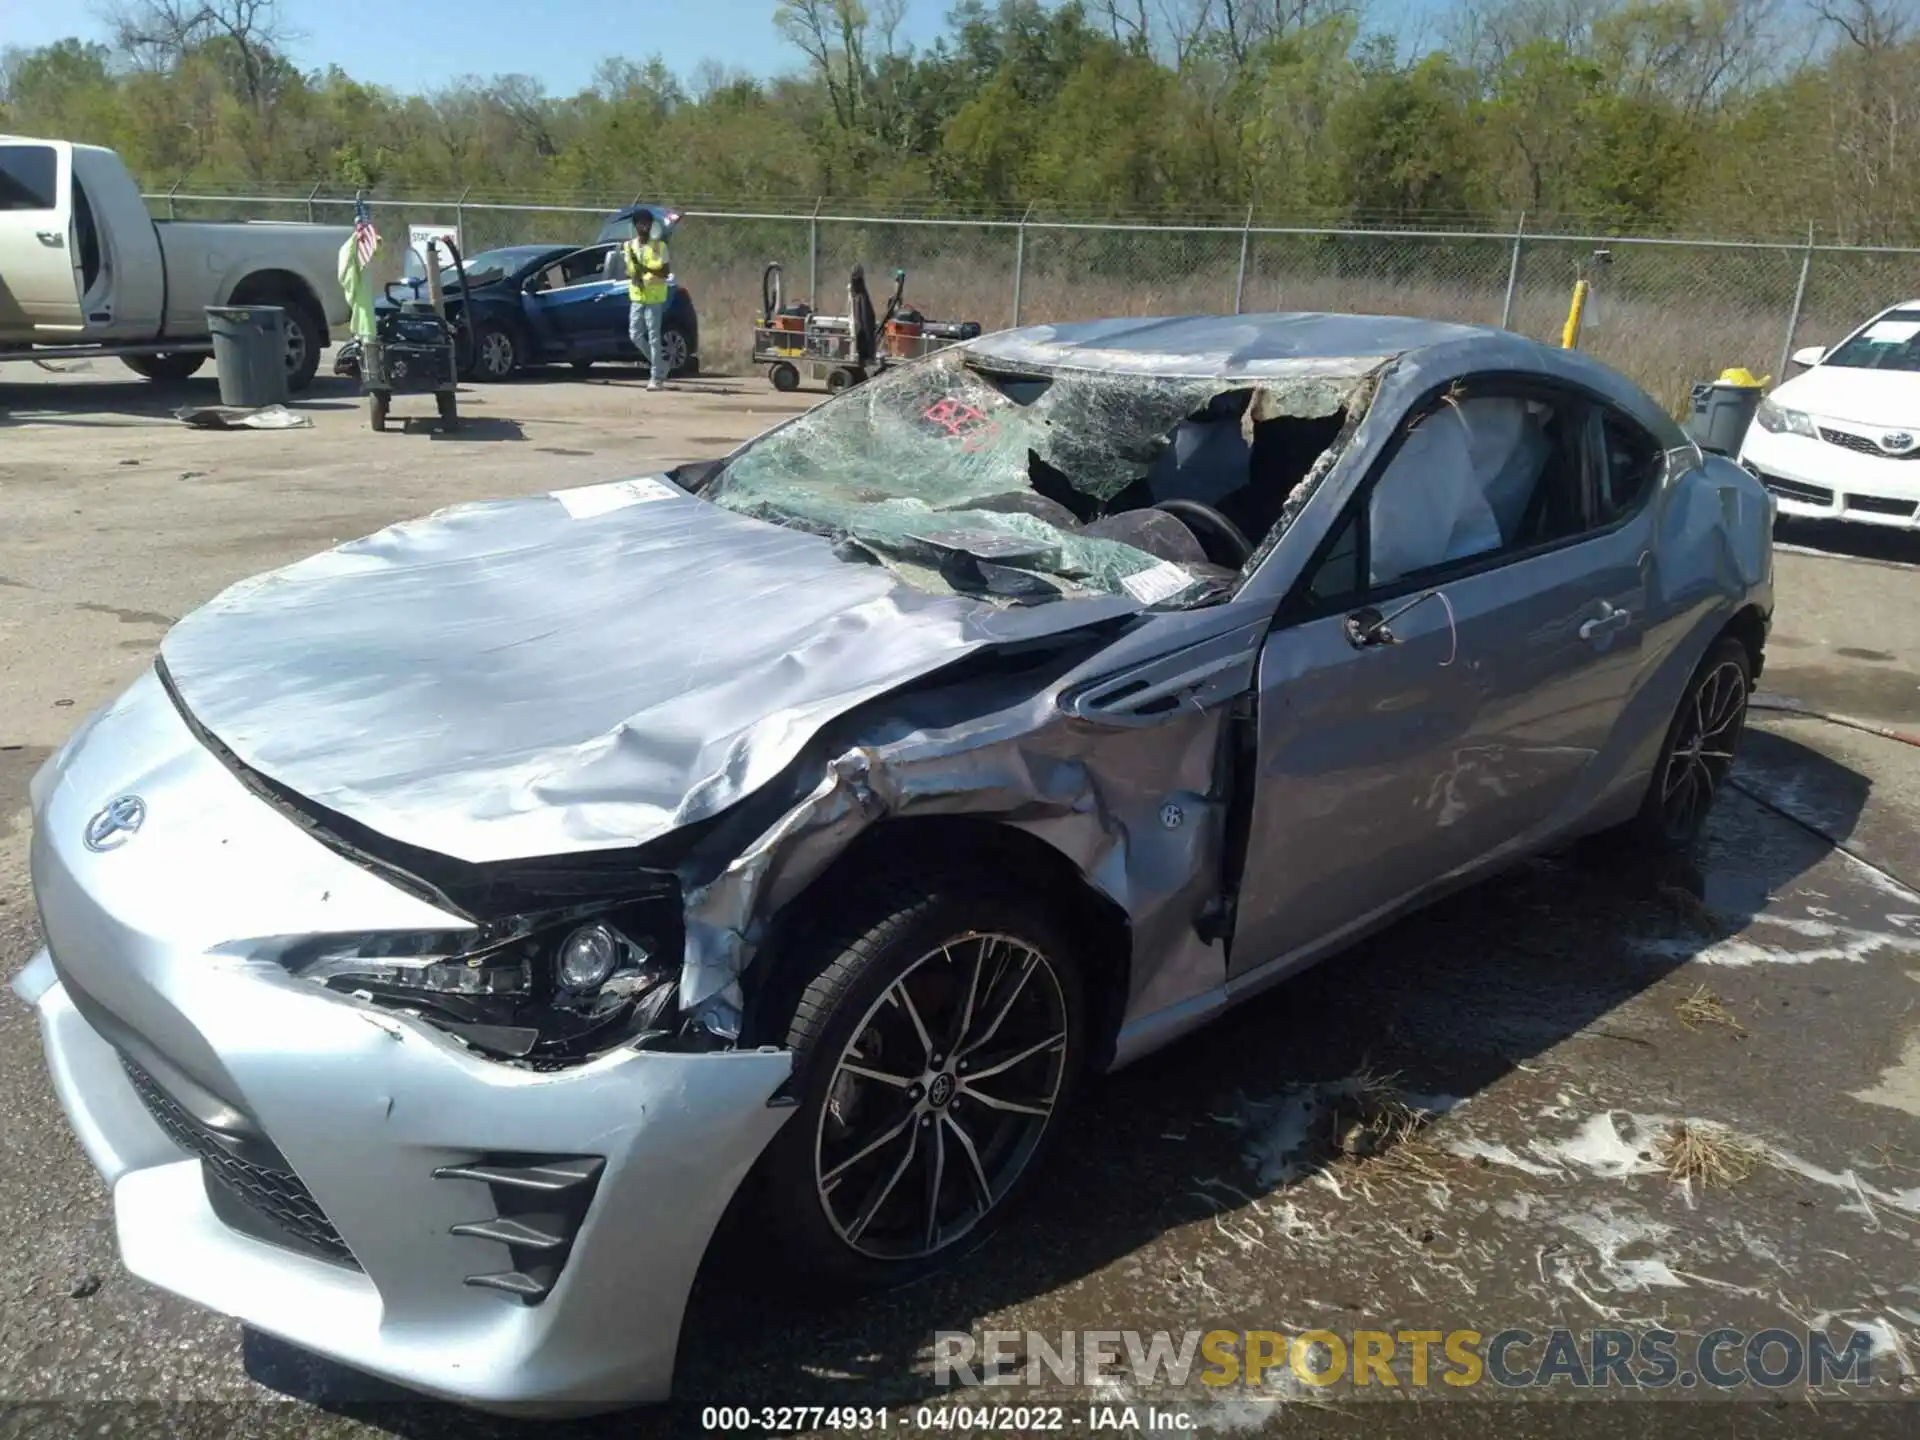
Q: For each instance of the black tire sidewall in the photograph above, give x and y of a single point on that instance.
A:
(896, 928)
(480, 333)
(1650, 823)
(308, 319)
(686, 343)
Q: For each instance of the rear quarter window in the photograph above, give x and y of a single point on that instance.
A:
(28, 177)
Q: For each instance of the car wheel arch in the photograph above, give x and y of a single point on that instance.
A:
(1749, 627)
(904, 848)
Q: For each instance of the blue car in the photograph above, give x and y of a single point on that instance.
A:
(553, 305)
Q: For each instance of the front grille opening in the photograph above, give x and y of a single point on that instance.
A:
(1794, 490)
(249, 1184)
(1874, 505)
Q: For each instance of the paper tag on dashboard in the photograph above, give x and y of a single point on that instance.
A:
(1161, 582)
(590, 500)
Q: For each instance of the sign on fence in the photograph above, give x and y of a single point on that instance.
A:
(419, 235)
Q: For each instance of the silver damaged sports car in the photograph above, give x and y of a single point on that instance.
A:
(449, 925)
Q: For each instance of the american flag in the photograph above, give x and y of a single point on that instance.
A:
(366, 239)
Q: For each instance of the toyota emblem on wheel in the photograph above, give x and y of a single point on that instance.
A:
(114, 824)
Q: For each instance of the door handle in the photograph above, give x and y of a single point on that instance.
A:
(53, 238)
(1609, 620)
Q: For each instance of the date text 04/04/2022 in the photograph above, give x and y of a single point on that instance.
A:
(961, 1419)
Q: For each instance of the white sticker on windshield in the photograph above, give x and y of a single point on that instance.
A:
(1892, 332)
(588, 501)
(1162, 582)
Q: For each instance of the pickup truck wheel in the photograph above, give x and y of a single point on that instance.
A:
(303, 328)
(165, 369)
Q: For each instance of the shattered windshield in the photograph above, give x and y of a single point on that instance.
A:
(971, 480)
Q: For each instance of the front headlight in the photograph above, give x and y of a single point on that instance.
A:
(1775, 418)
(558, 987)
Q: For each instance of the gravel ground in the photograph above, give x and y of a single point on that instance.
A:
(1552, 1027)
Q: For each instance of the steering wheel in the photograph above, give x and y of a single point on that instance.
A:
(1230, 546)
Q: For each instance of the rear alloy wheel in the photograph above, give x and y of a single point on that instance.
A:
(936, 1052)
(1701, 744)
(675, 351)
(302, 329)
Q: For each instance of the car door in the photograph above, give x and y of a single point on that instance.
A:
(40, 281)
(1439, 686)
(596, 301)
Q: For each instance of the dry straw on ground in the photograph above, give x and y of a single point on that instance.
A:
(1695, 1153)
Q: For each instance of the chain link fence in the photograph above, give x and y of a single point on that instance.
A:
(1667, 312)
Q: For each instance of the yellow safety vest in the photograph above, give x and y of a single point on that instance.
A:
(646, 272)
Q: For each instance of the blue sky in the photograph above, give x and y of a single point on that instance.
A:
(557, 41)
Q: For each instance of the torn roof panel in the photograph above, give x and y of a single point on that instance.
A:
(1250, 347)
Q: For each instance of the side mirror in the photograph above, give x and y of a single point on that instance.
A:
(1367, 628)
(1810, 355)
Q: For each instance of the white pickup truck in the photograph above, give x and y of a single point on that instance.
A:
(85, 270)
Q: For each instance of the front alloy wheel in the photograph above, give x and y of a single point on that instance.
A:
(494, 355)
(937, 1030)
(940, 1097)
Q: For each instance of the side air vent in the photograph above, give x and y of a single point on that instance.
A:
(1195, 678)
(539, 1203)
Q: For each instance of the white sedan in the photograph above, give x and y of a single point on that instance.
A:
(1842, 441)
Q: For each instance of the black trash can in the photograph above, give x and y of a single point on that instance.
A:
(250, 351)
(1722, 410)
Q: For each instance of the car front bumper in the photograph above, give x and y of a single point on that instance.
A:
(147, 961)
(1820, 479)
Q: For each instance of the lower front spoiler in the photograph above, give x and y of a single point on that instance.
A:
(604, 1338)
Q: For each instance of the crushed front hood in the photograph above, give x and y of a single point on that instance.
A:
(560, 673)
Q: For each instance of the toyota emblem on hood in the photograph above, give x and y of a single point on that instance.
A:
(1897, 440)
(114, 825)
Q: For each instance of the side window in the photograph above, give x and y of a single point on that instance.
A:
(1338, 573)
(1633, 462)
(1475, 476)
(29, 177)
(587, 268)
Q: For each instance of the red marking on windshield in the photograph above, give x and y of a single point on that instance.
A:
(967, 423)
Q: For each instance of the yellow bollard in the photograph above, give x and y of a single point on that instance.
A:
(1570, 336)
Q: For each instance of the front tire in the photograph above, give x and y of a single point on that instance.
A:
(1699, 750)
(496, 353)
(938, 1034)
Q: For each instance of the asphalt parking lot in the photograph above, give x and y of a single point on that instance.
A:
(1554, 1031)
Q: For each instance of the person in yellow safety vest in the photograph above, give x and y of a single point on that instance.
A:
(646, 256)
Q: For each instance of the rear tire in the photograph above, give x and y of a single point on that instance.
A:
(676, 349)
(938, 1029)
(304, 327)
(164, 369)
(1701, 743)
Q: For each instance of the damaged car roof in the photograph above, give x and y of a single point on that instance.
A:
(1224, 346)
